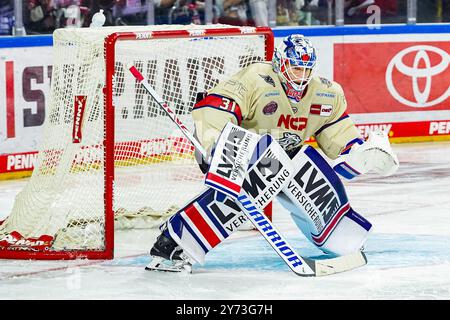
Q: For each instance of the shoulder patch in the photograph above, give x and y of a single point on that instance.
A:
(268, 79)
(325, 81)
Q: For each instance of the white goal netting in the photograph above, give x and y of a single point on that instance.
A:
(155, 172)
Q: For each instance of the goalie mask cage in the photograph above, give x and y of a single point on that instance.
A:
(109, 156)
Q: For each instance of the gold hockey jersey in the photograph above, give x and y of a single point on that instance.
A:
(254, 98)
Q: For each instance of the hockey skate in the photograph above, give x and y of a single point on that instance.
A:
(168, 256)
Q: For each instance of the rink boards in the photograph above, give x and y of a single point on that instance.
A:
(395, 78)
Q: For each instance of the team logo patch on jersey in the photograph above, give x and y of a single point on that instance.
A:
(268, 79)
(323, 110)
(289, 140)
(325, 81)
(270, 108)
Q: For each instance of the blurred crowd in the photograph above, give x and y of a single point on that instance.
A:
(44, 16)
(322, 12)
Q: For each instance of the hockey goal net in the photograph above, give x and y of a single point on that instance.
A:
(109, 156)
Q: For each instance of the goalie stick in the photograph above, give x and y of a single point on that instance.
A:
(299, 265)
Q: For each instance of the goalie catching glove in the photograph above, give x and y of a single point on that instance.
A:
(374, 154)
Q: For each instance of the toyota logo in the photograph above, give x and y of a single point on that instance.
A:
(421, 96)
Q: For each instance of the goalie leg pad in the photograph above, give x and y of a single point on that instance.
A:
(349, 235)
(204, 223)
(319, 206)
(213, 216)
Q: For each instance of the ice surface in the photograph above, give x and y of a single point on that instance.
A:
(408, 253)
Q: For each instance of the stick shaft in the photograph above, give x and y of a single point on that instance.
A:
(139, 77)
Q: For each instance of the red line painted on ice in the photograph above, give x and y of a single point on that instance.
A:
(6, 275)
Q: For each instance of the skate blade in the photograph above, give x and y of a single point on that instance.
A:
(157, 264)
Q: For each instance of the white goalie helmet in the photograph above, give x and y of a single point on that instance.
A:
(294, 61)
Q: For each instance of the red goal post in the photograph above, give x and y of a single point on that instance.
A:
(98, 152)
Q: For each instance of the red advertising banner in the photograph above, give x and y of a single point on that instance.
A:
(16, 162)
(409, 129)
(394, 76)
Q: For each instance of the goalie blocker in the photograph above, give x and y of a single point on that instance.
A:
(311, 191)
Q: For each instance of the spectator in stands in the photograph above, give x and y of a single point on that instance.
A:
(312, 12)
(445, 11)
(40, 17)
(71, 13)
(259, 12)
(233, 12)
(6, 17)
(179, 11)
(433, 11)
(284, 7)
(107, 6)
